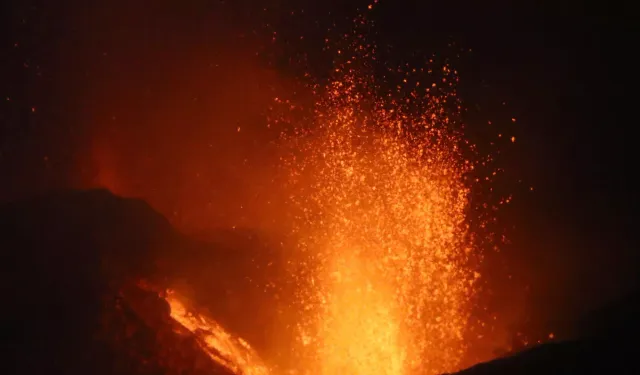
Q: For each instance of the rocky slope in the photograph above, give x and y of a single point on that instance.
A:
(71, 261)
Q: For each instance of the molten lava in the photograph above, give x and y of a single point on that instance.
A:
(385, 263)
(385, 254)
(232, 352)
(385, 267)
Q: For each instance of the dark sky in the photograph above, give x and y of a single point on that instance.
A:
(567, 73)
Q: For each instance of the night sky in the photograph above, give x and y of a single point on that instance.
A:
(567, 73)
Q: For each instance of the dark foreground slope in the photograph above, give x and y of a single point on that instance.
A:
(571, 357)
(607, 344)
(70, 263)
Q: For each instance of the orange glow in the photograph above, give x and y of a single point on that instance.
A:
(377, 204)
(384, 258)
(385, 250)
(232, 352)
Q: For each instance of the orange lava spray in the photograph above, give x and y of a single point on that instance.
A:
(384, 266)
(384, 261)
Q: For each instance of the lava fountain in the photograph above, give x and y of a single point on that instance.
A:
(385, 261)
(377, 187)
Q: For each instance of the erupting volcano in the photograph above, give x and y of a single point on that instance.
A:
(377, 190)
(260, 187)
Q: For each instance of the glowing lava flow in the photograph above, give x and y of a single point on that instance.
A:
(233, 353)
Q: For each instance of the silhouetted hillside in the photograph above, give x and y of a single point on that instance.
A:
(607, 345)
(70, 257)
